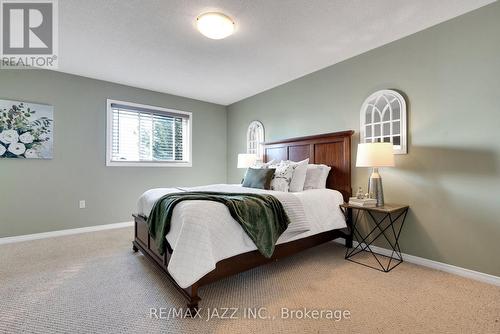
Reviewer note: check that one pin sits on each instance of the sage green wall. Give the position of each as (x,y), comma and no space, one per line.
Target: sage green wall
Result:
(39,196)
(450,178)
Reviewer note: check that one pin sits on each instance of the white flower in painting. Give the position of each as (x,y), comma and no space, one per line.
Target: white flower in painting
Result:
(9,136)
(2,150)
(17,148)
(31,154)
(26,138)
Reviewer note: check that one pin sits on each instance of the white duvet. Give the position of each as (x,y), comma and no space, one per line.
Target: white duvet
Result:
(203,232)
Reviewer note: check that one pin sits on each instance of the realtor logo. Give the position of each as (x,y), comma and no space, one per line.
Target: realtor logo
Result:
(29,33)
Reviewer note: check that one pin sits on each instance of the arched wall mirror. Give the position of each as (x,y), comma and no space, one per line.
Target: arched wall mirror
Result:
(255,139)
(383,119)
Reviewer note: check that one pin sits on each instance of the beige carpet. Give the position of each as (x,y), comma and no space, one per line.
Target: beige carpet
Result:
(93,283)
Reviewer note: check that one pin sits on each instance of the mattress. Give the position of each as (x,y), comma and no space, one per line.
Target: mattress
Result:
(203,232)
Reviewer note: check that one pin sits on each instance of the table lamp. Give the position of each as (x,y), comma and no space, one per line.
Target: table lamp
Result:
(246,160)
(375,155)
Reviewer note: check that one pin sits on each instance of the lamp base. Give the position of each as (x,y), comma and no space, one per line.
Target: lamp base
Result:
(375,187)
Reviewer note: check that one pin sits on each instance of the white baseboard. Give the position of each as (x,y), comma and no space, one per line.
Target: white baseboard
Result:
(27,237)
(467,273)
(475,275)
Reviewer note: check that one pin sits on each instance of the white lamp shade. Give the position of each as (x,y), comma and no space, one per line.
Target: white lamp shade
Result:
(246,160)
(375,155)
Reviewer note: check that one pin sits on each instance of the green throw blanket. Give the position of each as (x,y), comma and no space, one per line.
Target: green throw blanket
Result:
(261,216)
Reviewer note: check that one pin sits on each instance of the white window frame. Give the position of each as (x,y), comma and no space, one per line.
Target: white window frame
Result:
(109,137)
(382,94)
(259,142)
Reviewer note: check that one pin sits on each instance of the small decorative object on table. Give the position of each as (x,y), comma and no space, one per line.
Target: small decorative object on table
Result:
(388,221)
(365,202)
(359,194)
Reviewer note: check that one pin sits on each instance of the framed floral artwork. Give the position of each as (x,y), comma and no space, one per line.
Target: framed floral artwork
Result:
(26,130)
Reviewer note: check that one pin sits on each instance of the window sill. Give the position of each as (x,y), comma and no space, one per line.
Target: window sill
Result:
(148,164)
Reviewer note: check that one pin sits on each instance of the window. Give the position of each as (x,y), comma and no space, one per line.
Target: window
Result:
(141,135)
(255,140)
(383,119)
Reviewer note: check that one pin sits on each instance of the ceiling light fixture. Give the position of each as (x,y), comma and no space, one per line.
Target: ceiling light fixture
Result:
(215,25)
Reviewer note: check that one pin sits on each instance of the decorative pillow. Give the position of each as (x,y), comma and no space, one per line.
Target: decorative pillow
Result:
(316,176)
(324,177)
(267,164)
(299,175)
(282,176)
(258,178)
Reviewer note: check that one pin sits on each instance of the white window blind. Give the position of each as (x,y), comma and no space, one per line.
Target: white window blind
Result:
(140,135)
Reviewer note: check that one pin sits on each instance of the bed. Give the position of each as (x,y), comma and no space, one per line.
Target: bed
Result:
(198,253)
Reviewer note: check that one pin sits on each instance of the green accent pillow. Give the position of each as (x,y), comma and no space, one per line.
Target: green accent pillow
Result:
(259,178)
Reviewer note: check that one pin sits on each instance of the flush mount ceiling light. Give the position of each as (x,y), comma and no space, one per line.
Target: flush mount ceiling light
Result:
(215,25)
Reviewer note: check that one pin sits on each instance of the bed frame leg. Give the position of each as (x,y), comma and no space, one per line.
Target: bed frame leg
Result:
(134,248)
(193,299)
(192,307)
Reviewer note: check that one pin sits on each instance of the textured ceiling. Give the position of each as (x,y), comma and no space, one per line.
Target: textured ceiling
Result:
(153,44)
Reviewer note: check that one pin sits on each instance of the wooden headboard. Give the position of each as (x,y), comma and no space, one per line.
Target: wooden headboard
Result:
(331,149)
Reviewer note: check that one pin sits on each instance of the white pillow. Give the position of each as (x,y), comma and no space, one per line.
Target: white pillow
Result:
(267,164)
(324,177)
(282,176)
(299,175)
(316,176)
